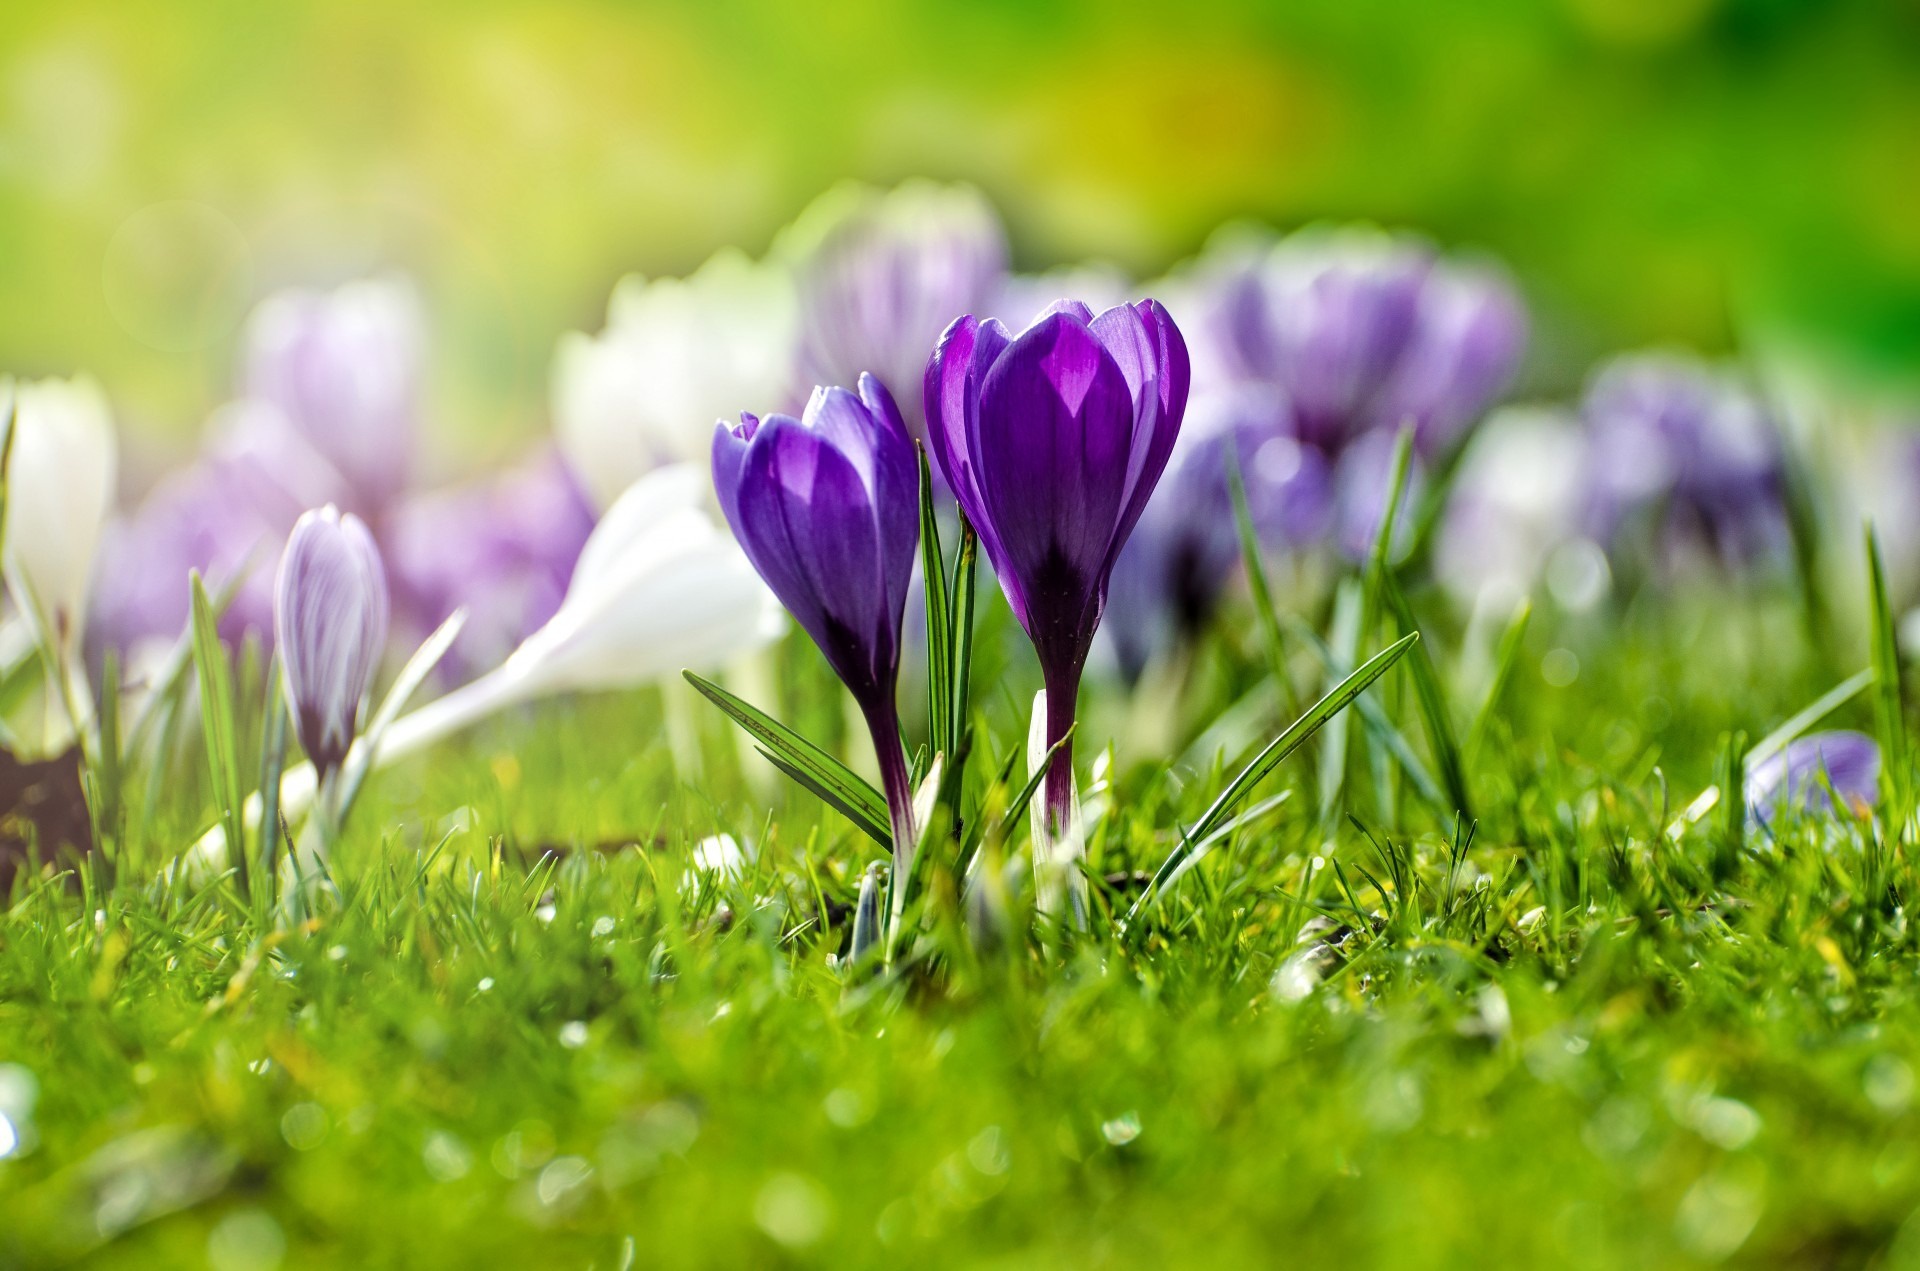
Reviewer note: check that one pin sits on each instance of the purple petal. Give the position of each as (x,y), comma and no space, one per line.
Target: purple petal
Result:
(1054,435)
(1797,777)
(806,521)
(331,610)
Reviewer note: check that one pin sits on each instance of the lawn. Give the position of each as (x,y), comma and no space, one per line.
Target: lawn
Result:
(539,1025)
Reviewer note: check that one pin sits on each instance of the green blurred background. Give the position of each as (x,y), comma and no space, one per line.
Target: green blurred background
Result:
(1717,172)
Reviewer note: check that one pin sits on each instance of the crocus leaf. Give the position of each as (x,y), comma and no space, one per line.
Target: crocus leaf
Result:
(1268,759)
(831,781)
(960,627)
(933,568)
(835,798)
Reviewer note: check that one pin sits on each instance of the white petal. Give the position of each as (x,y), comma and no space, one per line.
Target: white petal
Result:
(61,485)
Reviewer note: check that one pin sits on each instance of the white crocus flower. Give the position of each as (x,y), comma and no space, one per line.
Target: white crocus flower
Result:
(658,587)
(59,491)
(677,354)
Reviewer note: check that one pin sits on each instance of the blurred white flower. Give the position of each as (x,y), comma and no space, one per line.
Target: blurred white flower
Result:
(59,491)
(1515,514)
(677,355)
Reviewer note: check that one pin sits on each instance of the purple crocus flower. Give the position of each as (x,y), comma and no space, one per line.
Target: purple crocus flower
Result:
(1053,441)
(1168,579)
(330,611)
(1798,776)
(502,548)
(345,368)
(827,508)
(1683,451)
(880,275)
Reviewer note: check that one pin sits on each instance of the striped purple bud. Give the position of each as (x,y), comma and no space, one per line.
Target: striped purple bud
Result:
(330,620)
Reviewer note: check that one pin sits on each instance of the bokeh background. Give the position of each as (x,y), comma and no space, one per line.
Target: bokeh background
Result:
(1722,173)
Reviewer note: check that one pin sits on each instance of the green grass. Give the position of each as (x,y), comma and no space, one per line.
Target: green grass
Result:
(1563,1040)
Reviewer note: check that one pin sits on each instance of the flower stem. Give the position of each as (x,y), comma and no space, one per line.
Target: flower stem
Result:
(895,782)
(1063,697)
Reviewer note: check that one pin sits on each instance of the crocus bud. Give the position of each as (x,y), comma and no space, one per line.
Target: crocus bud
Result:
(1052,441)
(60,481)
(676,355)
(880,275)
(827,508)
(1797,777)
(345,368)
(330,615)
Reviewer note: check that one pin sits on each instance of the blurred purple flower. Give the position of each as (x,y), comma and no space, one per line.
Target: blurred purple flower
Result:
(227,514)
(882,272)
(827,508)
(1364,333)
(1682,451)
(1469,335)
(1324,316)
(345,368)
(1168,579)
(502,548)
(1053,441)
(1798,776)
(330,613)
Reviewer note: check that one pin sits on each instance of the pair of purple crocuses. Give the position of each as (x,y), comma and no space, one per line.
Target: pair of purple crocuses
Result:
(1051,441)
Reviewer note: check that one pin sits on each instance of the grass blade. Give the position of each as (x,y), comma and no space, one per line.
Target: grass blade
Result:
(1889,707)
(1328,707)
(1815,711)
(827,778)
(1263,611)
(1343,639)
(366,752)
(1506,660)
(1431,696)
(217,719)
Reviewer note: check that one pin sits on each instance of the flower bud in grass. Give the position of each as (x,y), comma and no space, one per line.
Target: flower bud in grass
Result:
(60,480)
(827,508)
(1798,776)
(1052,441)
(330,618)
